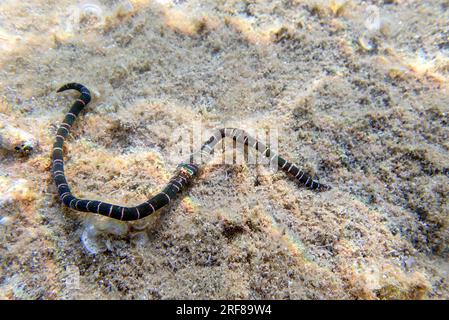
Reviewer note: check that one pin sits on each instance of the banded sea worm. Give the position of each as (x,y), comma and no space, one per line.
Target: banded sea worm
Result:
(185,173)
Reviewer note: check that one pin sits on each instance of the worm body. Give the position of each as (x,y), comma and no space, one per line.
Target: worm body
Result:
(184,174)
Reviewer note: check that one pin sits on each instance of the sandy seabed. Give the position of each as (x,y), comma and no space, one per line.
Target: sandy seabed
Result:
(358,91)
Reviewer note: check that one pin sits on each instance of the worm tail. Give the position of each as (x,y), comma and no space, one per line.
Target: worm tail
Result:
(288,167)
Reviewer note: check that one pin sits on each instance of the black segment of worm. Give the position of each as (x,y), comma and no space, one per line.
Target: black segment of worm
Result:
(434,171)
(185,172)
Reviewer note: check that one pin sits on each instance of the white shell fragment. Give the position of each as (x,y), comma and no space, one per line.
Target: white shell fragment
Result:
(91,240)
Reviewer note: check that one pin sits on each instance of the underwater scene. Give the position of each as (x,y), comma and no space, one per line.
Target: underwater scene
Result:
(184,149)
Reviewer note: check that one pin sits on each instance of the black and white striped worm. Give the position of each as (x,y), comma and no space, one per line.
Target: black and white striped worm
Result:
(183,176)
(434,171)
